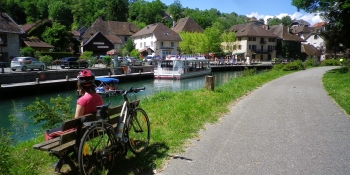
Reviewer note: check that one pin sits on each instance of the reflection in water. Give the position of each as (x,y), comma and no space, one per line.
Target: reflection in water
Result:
(152,87)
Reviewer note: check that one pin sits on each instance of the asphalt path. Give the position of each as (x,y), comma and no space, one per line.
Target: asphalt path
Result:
(288,126)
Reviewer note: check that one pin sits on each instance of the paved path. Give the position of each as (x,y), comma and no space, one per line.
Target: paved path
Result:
(287,126)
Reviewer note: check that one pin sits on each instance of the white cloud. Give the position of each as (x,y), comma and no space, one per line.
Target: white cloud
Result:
(310,18)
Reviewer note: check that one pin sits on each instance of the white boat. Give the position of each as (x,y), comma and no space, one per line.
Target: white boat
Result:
(176,67)
(106,87)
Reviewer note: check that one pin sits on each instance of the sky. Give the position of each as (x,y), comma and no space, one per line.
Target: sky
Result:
(252,8)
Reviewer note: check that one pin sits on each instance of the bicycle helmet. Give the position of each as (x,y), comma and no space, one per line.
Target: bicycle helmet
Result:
(86,78)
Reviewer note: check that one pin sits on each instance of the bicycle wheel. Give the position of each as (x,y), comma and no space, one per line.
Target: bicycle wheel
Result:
(138,131)
(96,151)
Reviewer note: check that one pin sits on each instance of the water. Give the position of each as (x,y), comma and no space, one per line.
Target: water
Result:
(152,87)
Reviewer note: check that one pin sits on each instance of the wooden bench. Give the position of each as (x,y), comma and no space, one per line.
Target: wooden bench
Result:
(66,146)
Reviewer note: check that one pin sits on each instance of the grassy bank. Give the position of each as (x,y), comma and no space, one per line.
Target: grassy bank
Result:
(175,118)
(337,84)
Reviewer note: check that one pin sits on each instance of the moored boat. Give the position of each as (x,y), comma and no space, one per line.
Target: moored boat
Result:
(106,87)
(176,67)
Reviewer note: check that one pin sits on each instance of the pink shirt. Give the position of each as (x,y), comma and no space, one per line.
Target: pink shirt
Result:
(89,102)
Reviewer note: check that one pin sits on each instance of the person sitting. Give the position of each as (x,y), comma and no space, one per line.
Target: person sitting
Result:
(87,102)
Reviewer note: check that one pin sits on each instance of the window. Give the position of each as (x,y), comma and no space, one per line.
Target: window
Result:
(140,45)
(315,37)
(151,44)
(252,39)
(144,44)
(272,40)
(172,44)
(254,48)
(240,47)
(239,39)
(250,47)
(161,44)
(126,38)
(166,33)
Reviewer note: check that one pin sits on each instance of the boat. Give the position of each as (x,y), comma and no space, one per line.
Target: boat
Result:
(106,87)
(180,67)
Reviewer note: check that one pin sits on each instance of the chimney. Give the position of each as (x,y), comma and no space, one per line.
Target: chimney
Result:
(174,23)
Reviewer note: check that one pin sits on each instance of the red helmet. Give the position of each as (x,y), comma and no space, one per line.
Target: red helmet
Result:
(86,78)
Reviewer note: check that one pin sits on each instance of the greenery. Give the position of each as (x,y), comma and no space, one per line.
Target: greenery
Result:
(47,59)
(27,51)
(330,62)
(57,36)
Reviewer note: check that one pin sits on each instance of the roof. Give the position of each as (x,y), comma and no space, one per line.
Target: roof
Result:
(160,31)
(187,24)
(111,28)
(283,32)
(37,43)
(319,24)
(252,29)
(8,25)
(310,50)
(107,80)
(87,40)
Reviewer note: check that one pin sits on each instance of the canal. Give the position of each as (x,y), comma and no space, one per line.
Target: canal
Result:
(13,106)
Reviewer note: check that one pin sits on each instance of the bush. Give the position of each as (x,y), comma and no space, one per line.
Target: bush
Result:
(278,66)
(5,157)
(330,62)
(248,72)
(46,59)
(107,60)
(296,65)
(312,62)
(27,51)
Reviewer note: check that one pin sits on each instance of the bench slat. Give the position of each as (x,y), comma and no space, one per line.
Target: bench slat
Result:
(62,148)
(39,145)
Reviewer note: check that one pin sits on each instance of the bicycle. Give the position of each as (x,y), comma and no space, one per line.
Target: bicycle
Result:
(101,144)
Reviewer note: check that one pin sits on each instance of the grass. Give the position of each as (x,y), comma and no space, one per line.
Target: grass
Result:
(337,84)
(175,118)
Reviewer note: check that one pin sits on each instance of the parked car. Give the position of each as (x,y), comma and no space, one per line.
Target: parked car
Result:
(73,62)
(24,63)
(134,61)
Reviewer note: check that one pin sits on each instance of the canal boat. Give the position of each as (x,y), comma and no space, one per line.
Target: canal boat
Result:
(106,87)
(181,67)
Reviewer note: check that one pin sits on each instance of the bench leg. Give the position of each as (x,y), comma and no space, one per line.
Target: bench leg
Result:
(65,160)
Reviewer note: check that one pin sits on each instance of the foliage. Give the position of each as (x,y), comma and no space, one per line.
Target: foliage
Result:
(5,156)
(228,38)
(248,72)
(286,21)
(51,114)
(279,66)
(134,53)
(107,60)
(330,62)
(336,13)
(312,62)
(57,36)
(127,47)
(60,12)
(47,59)
(175,10)
(27,51)
(295,65)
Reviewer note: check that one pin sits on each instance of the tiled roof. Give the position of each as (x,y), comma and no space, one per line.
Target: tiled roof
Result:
(160,31)
(252,29)
(27,27)
(319,24)
(87,40)
(37,43)
(111,28)
(310,50)
(114,39)
(7,25)
(282,32)
(187,24)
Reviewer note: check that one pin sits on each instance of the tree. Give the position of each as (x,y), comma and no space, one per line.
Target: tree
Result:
(57,36)
(175,10)
(286,20)
(61,12)
(117,10)
(273,21)
(228,41)
(335,12)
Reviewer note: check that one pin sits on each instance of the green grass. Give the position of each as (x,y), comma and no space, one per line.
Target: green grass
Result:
(337,84)
(177,117)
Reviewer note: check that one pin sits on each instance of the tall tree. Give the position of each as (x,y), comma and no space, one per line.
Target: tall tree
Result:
(286,20)
(57,36)
(228,40)
(61,12)
(335,12)
(175,10)
(117,10)
(273,21)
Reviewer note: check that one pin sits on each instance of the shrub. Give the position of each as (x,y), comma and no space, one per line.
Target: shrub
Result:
(312,62)
(330,62)
(296,65)
(248,72)
(5,157)
(278,66)
(107,60)
(46,59)
(27,51)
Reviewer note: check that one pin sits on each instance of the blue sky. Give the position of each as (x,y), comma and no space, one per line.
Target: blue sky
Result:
(258,8)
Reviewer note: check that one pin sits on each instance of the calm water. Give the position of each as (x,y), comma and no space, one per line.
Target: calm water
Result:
(152,87)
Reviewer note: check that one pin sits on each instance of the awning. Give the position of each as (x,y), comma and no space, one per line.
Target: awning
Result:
(238,53)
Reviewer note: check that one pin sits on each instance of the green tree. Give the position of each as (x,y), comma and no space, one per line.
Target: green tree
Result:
(228,40)
(335,12)
(61,12)
(117,10)
(127,47)
(57,36)
(213,36)
(286,20)
(273,21)
(15,10)
(175,10)
(27,51)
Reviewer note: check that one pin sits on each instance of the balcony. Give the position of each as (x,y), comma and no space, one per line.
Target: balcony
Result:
(262,42)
